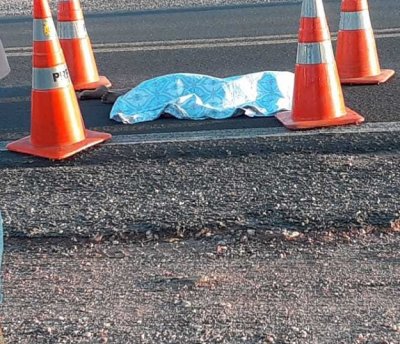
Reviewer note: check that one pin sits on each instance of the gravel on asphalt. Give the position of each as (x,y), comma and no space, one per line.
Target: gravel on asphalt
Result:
(235,241)
(233,289)
(304,183)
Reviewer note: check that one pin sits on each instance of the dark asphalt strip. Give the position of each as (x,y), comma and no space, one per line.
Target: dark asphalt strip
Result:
(226,21)
(311,183)
(376,103)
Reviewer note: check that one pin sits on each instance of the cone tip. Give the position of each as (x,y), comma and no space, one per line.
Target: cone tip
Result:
(41,9)
(312,9)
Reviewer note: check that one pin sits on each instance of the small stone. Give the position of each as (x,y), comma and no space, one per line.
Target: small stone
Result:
(186,304)
(361,338)
(303,334)
(251,232)
(292,235)
(270,339)
(226,305)
(396,328)
(244,239)
(221,250)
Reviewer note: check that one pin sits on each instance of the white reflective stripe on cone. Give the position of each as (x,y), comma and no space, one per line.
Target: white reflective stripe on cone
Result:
(50,78)
(72,29)
(4,66)
(312,9)
(355,20)
(315,53)
(44,30)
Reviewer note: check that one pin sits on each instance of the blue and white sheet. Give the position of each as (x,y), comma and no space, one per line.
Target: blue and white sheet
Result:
(198,97)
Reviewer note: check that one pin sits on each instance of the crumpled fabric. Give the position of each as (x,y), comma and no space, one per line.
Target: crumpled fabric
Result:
(198,97)
(4,66)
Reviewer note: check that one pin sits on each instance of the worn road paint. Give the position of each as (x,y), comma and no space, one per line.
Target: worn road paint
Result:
(197,43)
(241,134)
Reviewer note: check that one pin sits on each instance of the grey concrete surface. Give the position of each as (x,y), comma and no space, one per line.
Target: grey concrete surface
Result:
(24,7)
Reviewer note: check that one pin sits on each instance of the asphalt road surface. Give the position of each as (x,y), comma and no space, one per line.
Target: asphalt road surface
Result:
(231,231)
(21,7)
(198,41)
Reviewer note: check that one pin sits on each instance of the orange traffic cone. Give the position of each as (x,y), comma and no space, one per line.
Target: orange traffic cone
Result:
(77,47)
(317,96)
(57,129)
(356,53)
